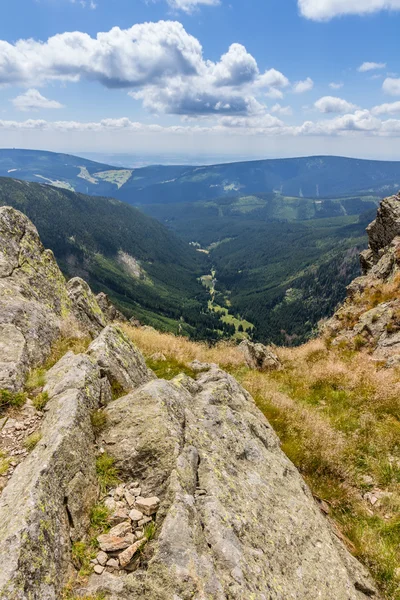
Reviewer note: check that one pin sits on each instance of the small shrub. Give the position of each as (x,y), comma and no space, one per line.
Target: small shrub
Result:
(99,421)
(107,473)
(15,399)
(40,401)
(32,441)
(116,390)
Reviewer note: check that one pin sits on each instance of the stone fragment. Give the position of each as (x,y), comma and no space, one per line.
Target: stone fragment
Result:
(113,563)
(110,504)
(136,491)
(109,543)
(136,515)
(128,554)
(121,529)
(130,499)
(144,521)
(148,506)
(260,357)
(98,569)
(102,558)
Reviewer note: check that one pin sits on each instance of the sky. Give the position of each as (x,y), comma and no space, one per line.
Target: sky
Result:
(220,78)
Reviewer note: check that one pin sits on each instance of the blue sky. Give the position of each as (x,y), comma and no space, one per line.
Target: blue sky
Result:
(202,77)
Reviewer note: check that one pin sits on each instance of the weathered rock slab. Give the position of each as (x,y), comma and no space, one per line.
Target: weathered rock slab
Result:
(119,360)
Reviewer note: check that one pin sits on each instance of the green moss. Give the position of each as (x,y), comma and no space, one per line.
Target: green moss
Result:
(99,421)
(32,441)
(4,463)
(168,369)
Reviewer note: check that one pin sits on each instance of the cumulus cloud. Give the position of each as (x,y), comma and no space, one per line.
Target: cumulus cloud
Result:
(33,100)
(300,87)
(235,68)
(132,57)
(391,86)
(331,104)
(391,108)
(160,62)
(336,86)
(282,110)
(189,6)
(371,66)
(324,10)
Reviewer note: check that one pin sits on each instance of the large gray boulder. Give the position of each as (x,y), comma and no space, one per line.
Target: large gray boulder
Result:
(119,360)
(386,225)
(33,298)
(236,519)
(47,502)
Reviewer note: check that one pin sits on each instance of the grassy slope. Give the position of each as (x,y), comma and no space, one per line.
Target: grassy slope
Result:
(336,412)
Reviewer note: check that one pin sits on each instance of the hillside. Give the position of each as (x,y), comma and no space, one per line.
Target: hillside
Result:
(119,485)
(312,177)
(149,272)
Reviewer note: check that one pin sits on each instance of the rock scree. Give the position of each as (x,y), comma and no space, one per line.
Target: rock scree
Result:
(207,506)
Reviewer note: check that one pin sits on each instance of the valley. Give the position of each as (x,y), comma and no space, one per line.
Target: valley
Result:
(283,261)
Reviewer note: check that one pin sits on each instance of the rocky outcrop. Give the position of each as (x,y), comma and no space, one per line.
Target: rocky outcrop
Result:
(85,306)
(119,360)
(33,298)
(370,317)
(109,310)
(236,519)
(258,356)
(47,501)
(36,301)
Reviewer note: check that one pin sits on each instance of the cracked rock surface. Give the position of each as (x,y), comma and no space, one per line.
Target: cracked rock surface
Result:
(236,520)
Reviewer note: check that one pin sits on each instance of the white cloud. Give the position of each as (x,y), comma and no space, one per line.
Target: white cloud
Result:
(160,62)
(132,57)
(190,5)
(324,10)
(33,100)
(391,86)
(303,86)
(371,66)
(361,123)
(331,104)
(336,86)
(235,68)
(282,110)
(386,109)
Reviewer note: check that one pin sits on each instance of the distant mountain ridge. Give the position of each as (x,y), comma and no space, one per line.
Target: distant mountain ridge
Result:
(313,177)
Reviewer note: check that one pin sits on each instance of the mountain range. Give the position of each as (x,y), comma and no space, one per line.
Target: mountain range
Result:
(314,177)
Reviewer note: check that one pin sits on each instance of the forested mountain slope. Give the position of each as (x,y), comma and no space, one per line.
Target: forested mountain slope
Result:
(148,271)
